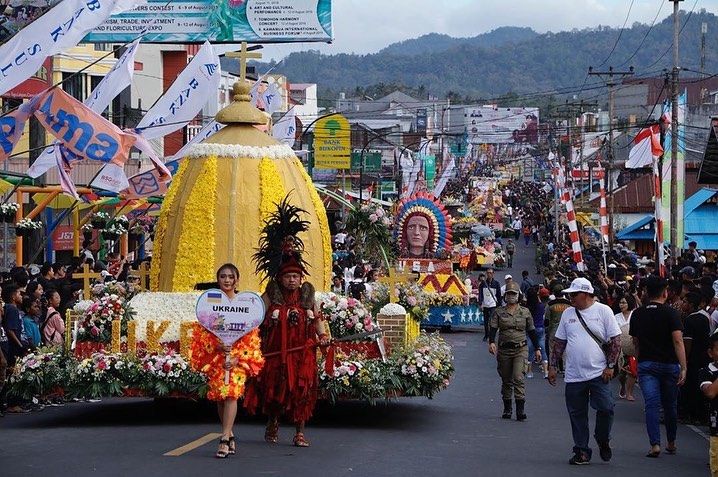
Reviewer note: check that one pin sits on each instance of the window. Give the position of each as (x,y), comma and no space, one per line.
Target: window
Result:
(73,84)
(103,46)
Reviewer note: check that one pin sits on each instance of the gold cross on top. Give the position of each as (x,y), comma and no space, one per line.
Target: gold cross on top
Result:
(392,280)
(244,55)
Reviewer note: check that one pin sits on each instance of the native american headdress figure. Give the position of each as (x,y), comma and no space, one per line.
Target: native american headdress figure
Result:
(280,248)
(423,226)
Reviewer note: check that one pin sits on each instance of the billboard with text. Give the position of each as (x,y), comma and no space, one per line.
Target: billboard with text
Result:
(220,21)
(495,125)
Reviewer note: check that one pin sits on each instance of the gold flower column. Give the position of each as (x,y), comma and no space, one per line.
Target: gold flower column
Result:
(215,207)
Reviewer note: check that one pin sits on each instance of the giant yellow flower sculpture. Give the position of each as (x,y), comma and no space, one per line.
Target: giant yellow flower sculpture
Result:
(214,209)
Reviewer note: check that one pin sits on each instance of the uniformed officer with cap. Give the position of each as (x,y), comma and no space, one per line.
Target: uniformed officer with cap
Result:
(513,322)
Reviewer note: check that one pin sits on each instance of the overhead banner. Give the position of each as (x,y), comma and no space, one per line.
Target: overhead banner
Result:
(220,21)
(62,27)
(332,143)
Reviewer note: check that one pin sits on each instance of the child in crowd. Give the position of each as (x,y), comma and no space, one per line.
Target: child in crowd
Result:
(708,379)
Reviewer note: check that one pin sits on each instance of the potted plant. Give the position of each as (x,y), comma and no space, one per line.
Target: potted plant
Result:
(100,219)
(25,227)
(8,211)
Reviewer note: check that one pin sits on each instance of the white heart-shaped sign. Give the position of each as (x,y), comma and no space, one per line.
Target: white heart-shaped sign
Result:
(229,319)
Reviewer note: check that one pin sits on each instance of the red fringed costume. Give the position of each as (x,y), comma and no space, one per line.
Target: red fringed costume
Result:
(288,382)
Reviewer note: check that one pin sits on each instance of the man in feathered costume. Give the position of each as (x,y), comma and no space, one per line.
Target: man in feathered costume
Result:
(292,328)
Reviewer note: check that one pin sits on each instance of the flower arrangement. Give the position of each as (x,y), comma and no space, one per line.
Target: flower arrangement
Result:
(443,299)
(38,374)
(100,375)
(426,366)
(99,219)
(8,211)
(372,228)
(160,374)
(96,324)
(346,316)
(355,377)
(123,290)
(160,306)
(26,226)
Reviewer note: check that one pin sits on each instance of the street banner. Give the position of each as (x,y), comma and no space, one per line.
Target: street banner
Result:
(194,86)
(332,145)
(116,80)
(285,130)
(149,183)
(62,27)
(221,21)
(646,148)
(445,176)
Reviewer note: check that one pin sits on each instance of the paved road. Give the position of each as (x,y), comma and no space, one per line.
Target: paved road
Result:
(459,433)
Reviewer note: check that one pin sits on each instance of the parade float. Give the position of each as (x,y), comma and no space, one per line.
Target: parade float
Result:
(429,288)
(138,344)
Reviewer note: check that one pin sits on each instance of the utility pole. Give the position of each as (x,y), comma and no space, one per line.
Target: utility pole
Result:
(608,76)
(569,111)
(676,210)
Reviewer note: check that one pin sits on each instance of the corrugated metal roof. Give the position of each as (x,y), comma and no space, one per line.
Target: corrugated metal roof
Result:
(709,167)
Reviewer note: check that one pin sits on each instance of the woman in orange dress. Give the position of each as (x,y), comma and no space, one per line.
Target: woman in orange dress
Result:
(208,355)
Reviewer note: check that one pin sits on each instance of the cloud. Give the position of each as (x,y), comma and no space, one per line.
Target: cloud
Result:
(367,26)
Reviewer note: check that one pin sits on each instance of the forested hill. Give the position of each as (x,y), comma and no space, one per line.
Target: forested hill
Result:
(508,59)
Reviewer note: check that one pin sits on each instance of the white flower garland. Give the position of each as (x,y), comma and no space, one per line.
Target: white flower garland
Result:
(235,151)
(164,306)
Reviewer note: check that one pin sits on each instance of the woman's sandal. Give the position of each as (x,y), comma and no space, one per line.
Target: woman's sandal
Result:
(232,446)
(222,454)
(671,450)
(653,454)
(300,441)
(271,434)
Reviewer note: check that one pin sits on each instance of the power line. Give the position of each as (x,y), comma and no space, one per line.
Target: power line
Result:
(660,7)
(630,7)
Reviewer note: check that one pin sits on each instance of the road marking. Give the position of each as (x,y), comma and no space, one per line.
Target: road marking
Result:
(699,432)
(193,445)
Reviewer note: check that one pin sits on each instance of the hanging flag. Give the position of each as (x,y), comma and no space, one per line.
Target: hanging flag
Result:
(62,27)
(285,130)
(445,176)
(646,147)
(272,99)
(114,82)
(194,86)
(149,183)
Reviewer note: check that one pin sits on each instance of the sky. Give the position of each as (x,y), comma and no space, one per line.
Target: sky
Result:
(367,26)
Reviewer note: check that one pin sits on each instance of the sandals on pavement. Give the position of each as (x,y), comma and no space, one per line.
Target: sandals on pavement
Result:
(671,450)
(300,441)
(653,454)
(221,452)
(232,446)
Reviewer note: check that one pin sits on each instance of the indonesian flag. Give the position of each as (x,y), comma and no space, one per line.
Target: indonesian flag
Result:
(646,148)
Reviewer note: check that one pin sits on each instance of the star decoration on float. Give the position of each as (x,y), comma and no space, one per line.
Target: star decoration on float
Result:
(448,316)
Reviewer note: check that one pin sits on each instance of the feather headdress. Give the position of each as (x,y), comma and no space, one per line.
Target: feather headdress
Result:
(280,248)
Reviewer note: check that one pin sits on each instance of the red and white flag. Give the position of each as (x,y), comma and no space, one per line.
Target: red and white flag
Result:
(646,148)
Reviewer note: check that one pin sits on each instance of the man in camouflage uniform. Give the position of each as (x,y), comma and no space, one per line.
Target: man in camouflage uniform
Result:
(513,322)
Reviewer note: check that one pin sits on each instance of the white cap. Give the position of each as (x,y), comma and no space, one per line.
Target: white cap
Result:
(579,285)
(508,277)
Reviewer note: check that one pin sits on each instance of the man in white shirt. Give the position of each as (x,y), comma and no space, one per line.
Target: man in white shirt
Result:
(590,362)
